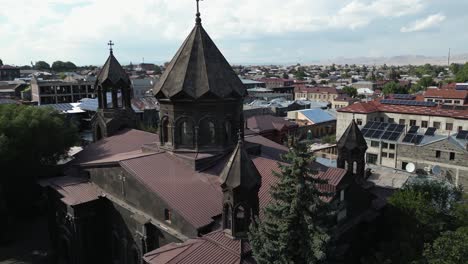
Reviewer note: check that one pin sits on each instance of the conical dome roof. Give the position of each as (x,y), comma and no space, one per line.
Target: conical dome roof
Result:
(199,69)
(112,73)
(240,170)
(352,138)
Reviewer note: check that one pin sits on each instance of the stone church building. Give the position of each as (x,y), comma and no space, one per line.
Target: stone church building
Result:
(189,193)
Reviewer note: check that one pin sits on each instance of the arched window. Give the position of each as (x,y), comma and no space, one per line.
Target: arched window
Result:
(207,133)
(227,132)
(346,165)
(165,130)
(185,133)
(227,217)
(355,167)
(240,219)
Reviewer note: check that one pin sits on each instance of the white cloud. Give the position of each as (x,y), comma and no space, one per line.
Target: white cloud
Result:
(71,29)
(424,24)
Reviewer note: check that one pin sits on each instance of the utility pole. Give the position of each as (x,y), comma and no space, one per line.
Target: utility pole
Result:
(449,57)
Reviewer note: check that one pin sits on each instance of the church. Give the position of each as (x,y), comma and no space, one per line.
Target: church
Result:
(188,193)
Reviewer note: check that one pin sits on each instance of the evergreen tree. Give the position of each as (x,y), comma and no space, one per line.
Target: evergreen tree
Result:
(295,224)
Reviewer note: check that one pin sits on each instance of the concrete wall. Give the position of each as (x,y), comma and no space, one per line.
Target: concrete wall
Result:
(424,156)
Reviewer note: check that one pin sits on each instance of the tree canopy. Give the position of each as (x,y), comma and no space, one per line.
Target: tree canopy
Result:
(32,141)
(462,74)
(41,66)
(1,62)
(350,91)
(393,88)
(294,227)
(60,66)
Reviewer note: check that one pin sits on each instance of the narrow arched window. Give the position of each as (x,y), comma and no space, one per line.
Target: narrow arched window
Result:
(355,167)
(165,130)
(227,132)
(227,217)
(185,133)
(207,133)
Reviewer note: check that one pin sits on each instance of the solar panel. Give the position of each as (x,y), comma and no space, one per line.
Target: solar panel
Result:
(376,125)
(368,125)
(386,135)
(413,129)
(407,102)
(462,134)
(377,134)
(408,138)
(400,128)
(392,127)
(364,131)
(369,133)
(383,126)
(394,136)
(417,139)
(430,131)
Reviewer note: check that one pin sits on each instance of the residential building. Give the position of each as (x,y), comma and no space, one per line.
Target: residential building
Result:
(141,87)
(446,96)
(59,91)
(321,94)
(276,82)
(448,119)
(250,84)
(274,128)
(9,73)
(316,123)
(343,101)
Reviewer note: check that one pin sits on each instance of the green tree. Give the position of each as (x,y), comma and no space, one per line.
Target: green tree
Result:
(285,76)
(393,88)
(455,68)
(1,62)
(450,248)
(350,91)
(60,66)
(295,224)
(462,75)
(157,69)
(41,66)
(426,82)
(32,141)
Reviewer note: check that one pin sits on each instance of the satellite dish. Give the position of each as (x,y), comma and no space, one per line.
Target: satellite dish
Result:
(410,167)
(436,170)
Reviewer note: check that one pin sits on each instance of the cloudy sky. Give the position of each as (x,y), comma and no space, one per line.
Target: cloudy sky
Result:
(246,31)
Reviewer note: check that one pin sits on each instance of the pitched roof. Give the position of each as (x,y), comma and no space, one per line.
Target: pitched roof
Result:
(198,69)
(240,171)
(352,138)
(213,248)
(321,90)
(317,116)
(262,123)
(446,94)
(376,106)
(123,142)
(112,73)
(74,190)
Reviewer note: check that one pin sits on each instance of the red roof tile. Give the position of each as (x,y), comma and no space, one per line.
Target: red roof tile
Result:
(446,94)
(214,248)
(74,190)
(376,106)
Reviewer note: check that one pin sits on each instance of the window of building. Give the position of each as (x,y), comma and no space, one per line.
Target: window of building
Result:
(449,126)
(371,158)
(430,100)
(384,145)
(382,119)
(342,195)
(460,128)
(424,124)
(185,133)
(456,102)
(448,101)
(207,133)
(391,155)
(392,146)
(355,167)
(436,125)
(401,121)
(391,120)
(375,144)
(359,122)
(384,154)
(437,153)
(167,215)
(412,122)
(452,155)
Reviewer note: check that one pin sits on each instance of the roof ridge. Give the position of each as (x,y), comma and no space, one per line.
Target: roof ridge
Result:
(221,245)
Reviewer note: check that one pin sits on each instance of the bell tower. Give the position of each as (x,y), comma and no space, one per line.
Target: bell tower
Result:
(200,96)
(352,151)
(240,181)
(114,94)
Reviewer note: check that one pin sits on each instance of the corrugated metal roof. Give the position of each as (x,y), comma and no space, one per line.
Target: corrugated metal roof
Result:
(318,116)
(74,190)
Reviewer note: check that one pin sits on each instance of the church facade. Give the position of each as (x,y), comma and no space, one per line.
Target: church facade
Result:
(135,197)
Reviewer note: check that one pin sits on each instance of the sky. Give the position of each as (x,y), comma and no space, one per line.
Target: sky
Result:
(246,31)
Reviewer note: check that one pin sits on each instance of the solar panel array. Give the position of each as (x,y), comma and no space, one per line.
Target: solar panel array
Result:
(384,131)
(404,96)
(407,102)
(462,134)
(413,130)
(60,107)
